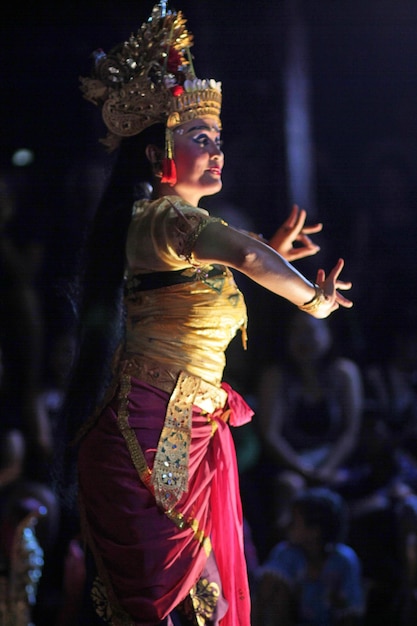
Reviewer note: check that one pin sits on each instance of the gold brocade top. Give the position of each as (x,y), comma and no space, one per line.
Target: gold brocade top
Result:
(179,314)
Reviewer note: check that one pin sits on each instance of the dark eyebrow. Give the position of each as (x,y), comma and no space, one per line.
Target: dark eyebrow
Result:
(202,127)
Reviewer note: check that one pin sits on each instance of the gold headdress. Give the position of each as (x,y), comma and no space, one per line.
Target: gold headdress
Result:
(149,79)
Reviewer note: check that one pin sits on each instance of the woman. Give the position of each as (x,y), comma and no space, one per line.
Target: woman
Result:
(157,471)
(310,409)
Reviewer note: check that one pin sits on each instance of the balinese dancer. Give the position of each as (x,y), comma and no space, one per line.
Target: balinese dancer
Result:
(158,482)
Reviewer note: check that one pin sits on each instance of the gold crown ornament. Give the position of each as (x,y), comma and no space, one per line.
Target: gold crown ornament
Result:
(150,79)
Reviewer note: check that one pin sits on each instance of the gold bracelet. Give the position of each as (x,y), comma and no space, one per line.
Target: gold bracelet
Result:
(313,304)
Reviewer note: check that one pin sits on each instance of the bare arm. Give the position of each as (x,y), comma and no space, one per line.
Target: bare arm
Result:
(219,243)
(351,397)
(271,414)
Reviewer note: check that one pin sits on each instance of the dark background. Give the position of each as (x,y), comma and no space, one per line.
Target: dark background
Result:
(361,67)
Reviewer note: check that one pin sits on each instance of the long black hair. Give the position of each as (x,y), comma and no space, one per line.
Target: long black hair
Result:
(100,282)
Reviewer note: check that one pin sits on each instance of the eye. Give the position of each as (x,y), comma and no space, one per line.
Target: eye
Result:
(202,140)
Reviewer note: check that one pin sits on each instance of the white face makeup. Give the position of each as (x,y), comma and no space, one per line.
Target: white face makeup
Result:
(198,158)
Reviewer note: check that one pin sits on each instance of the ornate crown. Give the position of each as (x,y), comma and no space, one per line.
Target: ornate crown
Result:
(150,78)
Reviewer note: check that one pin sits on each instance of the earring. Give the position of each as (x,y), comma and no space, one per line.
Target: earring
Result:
(169,171)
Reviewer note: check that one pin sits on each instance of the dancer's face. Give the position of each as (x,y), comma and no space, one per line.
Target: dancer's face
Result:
(198,158)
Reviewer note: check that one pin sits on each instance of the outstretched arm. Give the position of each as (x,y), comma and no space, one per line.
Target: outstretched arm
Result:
(218,243)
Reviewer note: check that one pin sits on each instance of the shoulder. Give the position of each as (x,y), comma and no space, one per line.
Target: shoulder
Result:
(285,554)
(344,365)
(346,370)
(286,562)
(162,233)
(345,555)
(172,205)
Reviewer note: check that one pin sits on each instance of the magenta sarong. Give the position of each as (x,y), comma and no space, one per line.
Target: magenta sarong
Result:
(150,564)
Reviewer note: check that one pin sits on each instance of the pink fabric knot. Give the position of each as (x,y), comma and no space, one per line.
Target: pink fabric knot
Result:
(241,413)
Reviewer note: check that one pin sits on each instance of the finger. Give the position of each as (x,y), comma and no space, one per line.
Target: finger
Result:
(342,301)
(300,220)
(306,241)
(305,246)
(292,218)
(301,253)
(314,228)
(335,272)
(343,284)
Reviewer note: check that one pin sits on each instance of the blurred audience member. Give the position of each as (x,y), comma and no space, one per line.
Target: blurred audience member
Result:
(312,577)
(21,340)
(391,380)
(309,412)
(383,473)
(63,572)
(29,512)
(407,541)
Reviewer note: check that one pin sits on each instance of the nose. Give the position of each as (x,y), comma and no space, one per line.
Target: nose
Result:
(215,150)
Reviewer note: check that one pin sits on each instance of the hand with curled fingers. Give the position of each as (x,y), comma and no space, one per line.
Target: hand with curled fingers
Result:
(328,298)
(292,231)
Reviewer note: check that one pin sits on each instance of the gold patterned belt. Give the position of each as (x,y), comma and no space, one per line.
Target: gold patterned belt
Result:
(208,397)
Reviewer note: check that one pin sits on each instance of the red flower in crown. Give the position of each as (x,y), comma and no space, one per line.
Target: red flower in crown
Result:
(175,60)
(177,90)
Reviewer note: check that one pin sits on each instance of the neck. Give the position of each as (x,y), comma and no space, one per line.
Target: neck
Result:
(165,189)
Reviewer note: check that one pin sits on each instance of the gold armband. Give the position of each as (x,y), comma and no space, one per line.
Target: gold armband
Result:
(313,304)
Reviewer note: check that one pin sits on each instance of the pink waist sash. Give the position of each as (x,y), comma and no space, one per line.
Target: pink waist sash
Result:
(148,563)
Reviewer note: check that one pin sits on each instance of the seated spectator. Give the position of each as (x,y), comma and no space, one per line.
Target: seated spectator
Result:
(391,383)
(309,412)
(406,511)
(312,578)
